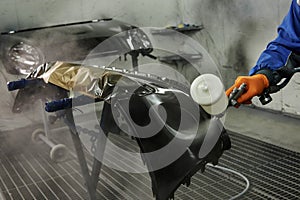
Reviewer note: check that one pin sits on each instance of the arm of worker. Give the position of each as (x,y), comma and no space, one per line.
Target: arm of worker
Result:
(273,57)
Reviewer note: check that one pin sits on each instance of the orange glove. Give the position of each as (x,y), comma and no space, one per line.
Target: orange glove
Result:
(255,86)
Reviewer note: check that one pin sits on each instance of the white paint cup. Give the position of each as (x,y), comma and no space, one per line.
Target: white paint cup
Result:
(208,91)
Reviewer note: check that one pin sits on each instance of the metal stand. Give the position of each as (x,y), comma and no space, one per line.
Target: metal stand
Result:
(58,152)
(134,59)
(91,178)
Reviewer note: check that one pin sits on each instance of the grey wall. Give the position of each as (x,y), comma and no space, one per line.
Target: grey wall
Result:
(17,14)
(235,33)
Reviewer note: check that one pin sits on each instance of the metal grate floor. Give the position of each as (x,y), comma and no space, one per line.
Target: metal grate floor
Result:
(26,172)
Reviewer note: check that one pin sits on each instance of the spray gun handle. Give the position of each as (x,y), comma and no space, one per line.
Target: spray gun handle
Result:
(282,81)
(265,98)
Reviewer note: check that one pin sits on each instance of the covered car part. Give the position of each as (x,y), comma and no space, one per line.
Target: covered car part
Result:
(23,50)
(182,137)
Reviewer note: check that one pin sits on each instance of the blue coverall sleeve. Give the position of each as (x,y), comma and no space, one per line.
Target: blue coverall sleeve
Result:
(287,41)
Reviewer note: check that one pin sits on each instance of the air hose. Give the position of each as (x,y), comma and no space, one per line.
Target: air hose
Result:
(236,173)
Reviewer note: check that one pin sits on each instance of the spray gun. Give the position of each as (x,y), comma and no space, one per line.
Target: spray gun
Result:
(282,76)
(208,91)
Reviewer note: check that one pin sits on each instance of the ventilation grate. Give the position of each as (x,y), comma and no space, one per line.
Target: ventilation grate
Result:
(26,172)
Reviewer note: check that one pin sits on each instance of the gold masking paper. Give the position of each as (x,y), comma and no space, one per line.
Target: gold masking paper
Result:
(83,79)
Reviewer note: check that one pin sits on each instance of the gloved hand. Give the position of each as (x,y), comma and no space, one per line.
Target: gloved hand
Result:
(255,86)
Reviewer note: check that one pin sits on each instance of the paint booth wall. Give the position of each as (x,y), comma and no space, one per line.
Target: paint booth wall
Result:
(235,32)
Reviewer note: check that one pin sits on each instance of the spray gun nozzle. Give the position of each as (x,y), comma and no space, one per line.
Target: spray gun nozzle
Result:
(235,94)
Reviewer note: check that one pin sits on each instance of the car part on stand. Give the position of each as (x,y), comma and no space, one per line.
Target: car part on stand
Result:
(149,91)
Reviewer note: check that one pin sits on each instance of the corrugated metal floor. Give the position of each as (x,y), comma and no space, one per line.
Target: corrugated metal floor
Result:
(26,172)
